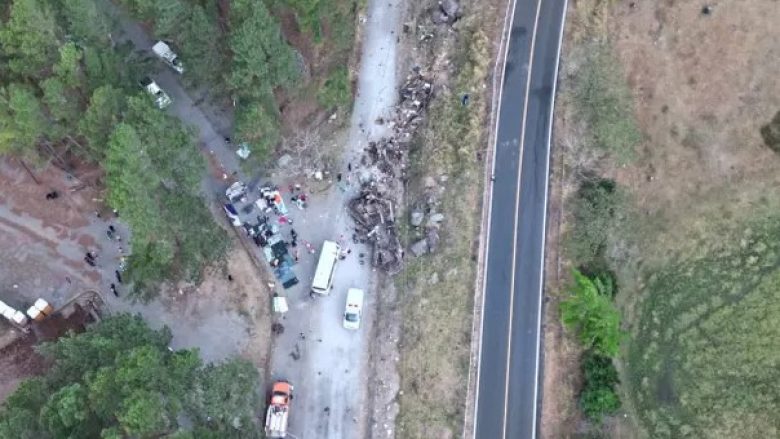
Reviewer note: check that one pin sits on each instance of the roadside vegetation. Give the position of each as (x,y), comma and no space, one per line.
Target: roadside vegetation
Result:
(438,289)
(119,379)
(67,92)
(589,312)
(598,213)
(691,247)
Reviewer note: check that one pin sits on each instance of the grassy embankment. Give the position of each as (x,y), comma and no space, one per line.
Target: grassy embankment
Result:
(437,290)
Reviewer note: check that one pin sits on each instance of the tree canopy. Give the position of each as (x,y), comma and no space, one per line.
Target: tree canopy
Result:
(119,379)
(261,58)
(30,38)
(67,84)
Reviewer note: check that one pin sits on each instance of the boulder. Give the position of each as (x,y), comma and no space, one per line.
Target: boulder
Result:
(438,17)
(432,239)
(450,8)
(436,218)
(419,248)
(417,218)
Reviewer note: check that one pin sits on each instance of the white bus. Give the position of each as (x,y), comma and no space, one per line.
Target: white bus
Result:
(323,277)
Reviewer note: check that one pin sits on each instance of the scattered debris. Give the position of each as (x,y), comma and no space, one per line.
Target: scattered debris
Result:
(374,219)
(374,209)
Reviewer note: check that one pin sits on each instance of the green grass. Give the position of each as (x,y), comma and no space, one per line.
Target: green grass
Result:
(703,360)
(438,315)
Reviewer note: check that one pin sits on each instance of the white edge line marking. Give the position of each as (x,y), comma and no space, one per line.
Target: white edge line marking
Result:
(544,215)
(510,15)
(517,215)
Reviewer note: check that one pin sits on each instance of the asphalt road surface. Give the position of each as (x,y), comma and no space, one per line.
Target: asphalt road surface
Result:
(508,374)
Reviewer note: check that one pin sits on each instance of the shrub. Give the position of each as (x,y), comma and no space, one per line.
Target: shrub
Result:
(594,208)
(589,312)
(598,397)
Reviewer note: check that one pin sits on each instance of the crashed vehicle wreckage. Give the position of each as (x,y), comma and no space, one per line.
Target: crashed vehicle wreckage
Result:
(374,209)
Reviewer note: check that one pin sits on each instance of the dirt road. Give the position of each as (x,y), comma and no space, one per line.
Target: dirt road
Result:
(330,372)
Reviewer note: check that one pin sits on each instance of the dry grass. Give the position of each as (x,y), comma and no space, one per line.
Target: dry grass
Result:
(438,290)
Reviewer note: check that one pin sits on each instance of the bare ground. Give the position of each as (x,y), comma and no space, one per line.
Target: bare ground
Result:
(18,358)
(46,241)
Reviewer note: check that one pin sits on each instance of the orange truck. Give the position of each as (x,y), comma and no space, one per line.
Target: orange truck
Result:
(278,410)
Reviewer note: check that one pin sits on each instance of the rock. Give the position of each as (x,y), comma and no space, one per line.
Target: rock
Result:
(284,160)
(438,17)
(448,11)
(436,218)
(451,8)
(429,182)
(432,239)
(443,178)
(434,278)
(417,218)
(419,248)
(365,177)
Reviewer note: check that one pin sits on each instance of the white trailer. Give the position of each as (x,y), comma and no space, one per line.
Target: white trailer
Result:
(161,99)
(165,53)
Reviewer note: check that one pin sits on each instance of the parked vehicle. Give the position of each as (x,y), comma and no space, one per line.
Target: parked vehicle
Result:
(278,410)
(353,311)
(161,99)
(232,214)
(162,50)
(326,267)
(236,191)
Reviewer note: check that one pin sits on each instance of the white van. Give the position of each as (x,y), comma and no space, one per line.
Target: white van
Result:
(323,277)
(353,311)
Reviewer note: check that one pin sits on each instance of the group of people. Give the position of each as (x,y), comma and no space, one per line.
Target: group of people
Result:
(90,258)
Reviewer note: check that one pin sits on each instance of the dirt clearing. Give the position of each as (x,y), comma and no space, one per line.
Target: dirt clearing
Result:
(46,242)
(698,215)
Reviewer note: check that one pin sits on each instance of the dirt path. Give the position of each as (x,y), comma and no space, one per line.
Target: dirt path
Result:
(329,367)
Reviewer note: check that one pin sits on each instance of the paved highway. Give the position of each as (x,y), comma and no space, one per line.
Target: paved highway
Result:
(507,393)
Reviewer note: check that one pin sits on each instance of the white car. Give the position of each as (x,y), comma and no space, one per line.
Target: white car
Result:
(161,99)
(354,309)
(164,51)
